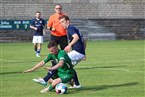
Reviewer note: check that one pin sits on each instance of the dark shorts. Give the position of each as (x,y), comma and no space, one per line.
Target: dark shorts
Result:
(62,41)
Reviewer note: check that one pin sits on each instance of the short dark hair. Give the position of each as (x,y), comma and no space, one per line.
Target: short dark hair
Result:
(52,44)
(37,12)
(64,17)
(58,4)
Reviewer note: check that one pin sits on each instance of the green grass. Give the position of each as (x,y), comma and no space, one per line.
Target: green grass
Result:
(112,69)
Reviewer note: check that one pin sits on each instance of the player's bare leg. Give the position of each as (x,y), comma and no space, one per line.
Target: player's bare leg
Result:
(52,86)
(38,49)
(35,48)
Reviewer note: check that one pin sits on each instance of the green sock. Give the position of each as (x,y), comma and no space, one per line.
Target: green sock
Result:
(51,87)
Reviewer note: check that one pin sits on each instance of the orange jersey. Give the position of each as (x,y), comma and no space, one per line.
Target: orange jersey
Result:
(54,22)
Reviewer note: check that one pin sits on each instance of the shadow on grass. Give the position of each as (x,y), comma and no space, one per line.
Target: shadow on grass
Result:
(102,87)
(20,61)
(11,73)
(5,73)
(82,68)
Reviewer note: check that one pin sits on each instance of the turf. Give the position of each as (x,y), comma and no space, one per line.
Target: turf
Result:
(112,69)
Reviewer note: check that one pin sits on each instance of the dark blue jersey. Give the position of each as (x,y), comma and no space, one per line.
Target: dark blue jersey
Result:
(79,45)
(40,25)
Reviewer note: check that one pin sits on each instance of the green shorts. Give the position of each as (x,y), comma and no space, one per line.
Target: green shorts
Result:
(66,77)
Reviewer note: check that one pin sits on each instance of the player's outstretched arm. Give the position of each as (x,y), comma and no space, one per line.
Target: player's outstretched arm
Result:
(61,62)
(40,64)
(34,28)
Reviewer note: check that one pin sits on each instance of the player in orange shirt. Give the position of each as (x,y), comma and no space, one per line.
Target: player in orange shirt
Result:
(58,33)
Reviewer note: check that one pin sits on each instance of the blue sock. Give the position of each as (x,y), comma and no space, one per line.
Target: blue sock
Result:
(53,62)
(76,81)
(38,51)
(49,75)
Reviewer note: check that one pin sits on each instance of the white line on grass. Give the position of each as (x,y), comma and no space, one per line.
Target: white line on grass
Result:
(120,61)
(115,69)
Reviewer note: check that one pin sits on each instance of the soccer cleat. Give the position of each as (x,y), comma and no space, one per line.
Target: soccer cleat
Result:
(45,90)
(37,55)
(41,81)
(71,83)
(75,87)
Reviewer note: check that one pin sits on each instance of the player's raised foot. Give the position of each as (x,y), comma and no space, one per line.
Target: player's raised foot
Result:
(45,90)
(40,80)
(75,86)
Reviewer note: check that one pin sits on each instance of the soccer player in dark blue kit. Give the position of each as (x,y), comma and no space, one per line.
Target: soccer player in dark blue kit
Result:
(38,25)
(76,47)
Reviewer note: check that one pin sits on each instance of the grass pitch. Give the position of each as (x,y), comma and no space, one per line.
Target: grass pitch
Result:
(112,69)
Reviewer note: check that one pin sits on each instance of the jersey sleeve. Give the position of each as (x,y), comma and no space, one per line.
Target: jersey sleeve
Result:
(49,57)
(71,31)
(62,56)
(50,21)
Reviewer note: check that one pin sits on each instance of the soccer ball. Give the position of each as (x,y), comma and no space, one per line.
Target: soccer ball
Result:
(61,88)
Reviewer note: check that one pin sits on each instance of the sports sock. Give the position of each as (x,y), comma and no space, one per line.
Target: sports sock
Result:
(51,87)
(49,75)
(38,51)
(76,81)
(53,62)
(35,49)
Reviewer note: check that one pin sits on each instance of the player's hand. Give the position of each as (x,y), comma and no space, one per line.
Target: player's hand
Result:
(44,31)
(29,70)
(53,29)
(84,58)
(67,49)
(35,28)
(48,68)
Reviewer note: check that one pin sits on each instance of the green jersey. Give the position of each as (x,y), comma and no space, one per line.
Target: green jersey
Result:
(67,66)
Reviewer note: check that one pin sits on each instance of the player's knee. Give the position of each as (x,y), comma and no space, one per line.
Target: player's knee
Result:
(56,81)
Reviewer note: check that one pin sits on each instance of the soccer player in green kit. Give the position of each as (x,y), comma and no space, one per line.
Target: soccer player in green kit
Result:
(64,67)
